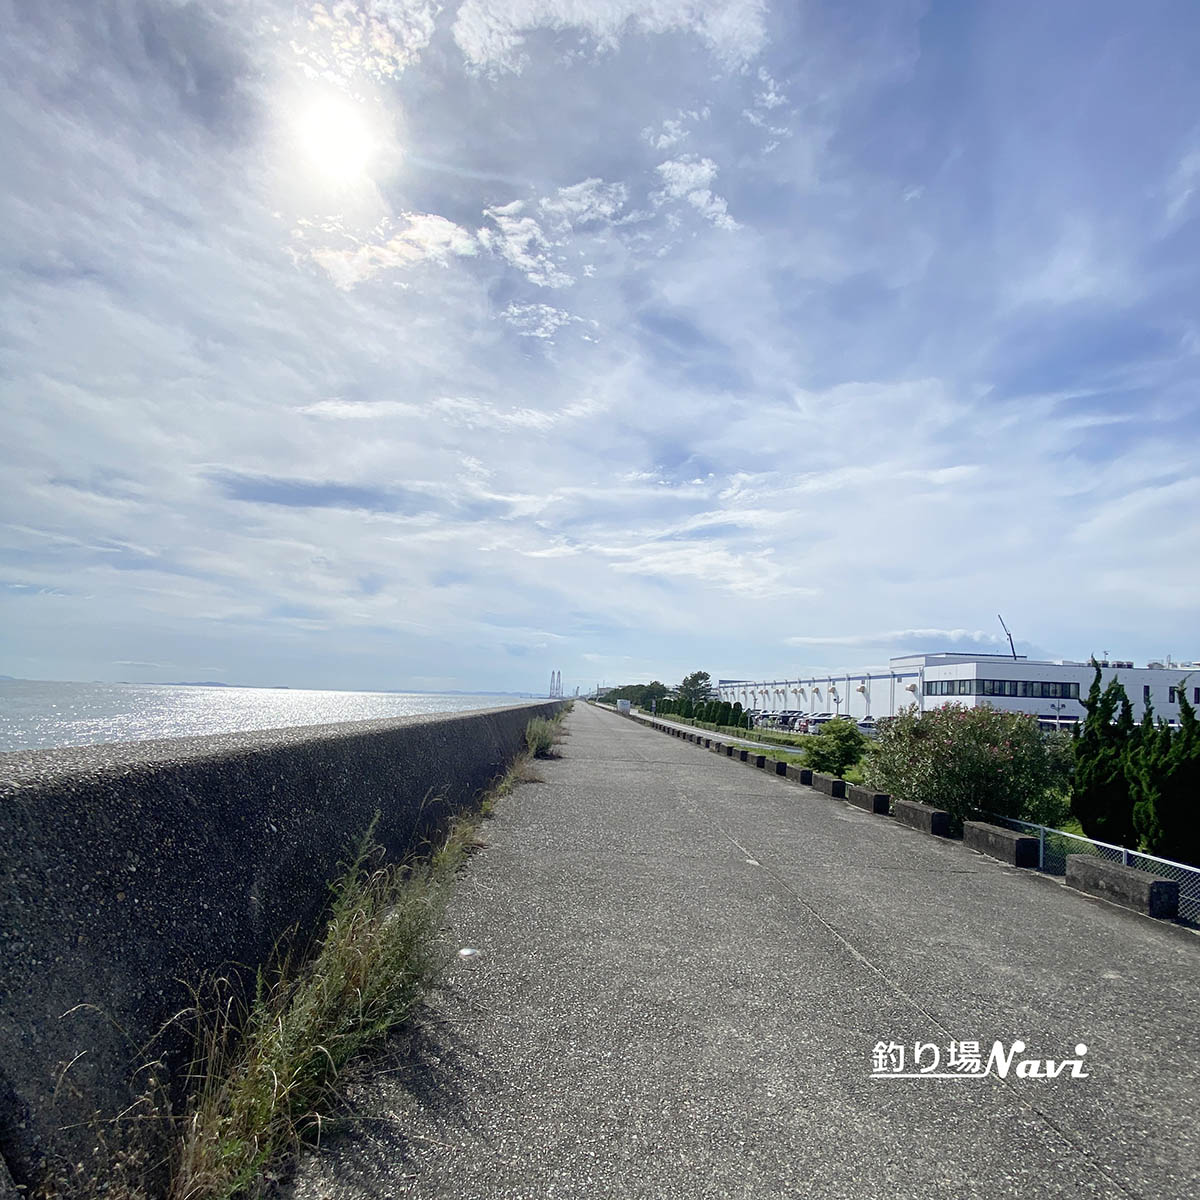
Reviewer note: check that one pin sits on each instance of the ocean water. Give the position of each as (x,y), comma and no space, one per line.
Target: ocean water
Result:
(35,714)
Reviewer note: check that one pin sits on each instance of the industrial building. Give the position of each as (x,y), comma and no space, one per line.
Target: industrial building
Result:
(1052,691)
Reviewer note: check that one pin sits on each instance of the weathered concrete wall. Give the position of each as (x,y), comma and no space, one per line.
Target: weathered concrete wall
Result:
(129,868)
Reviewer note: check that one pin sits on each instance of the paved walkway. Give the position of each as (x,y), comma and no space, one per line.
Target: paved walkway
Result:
(685,965)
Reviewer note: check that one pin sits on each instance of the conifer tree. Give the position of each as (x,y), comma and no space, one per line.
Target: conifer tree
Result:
(1164,778)
(1100,796)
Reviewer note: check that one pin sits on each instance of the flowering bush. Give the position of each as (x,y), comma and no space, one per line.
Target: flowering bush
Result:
(969,761)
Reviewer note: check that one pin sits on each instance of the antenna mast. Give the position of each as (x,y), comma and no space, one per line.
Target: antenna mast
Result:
(1005,628)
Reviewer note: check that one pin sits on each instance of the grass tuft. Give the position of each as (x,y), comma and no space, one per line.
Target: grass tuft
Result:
(541,736)
(266,1075)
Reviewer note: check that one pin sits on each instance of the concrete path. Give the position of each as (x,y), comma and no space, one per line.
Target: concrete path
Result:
(685,966)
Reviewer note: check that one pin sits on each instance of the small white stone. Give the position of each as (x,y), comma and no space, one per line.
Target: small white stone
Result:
(468,954)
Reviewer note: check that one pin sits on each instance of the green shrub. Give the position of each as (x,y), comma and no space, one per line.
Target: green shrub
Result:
(735,715)
(724,713)
(969,761)
(837,748)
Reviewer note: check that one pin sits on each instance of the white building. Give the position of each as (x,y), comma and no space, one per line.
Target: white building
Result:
(1051,691)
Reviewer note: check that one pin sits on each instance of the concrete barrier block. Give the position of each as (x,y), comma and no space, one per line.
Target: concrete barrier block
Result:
(1127,886)
(829,785)
(729,751)
(874,802)
(743,754)
(1016,849)
(798,774)
(718,747)
(758,760)
(922,817)
(780,767)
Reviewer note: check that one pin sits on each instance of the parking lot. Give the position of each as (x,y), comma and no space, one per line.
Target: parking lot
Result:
(794,721)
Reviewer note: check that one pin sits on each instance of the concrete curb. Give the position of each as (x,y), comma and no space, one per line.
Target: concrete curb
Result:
(1151,895)
(1016,849)
(873,802)
(920,816)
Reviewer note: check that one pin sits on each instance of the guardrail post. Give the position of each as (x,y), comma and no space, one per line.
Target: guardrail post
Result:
(1041,847)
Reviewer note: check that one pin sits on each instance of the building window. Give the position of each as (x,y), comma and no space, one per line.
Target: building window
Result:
(1171,699)
(1145,693)
(1023,688)
(1196,695)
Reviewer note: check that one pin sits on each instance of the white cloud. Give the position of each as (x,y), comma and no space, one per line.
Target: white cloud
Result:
(374,38)
(590,202)
(360,410)
(682,176)
(770,96)
(426,237)
(537,320)
(688,178)
(491,33)
(669,134)
(918,639)
(1182,185)
(521,242)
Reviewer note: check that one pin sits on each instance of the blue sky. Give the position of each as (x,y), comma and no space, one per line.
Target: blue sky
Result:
(399,344)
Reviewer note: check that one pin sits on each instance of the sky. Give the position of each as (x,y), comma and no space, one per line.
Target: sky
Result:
(396,344)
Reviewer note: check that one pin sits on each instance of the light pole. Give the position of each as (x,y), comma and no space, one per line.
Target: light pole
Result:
(1058,708)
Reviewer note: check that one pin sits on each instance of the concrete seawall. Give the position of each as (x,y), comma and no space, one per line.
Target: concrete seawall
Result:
(130,870)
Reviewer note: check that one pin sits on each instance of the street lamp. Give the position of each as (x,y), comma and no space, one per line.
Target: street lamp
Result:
(1058,708)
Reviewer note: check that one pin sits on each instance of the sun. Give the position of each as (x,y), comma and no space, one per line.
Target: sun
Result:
(336,138)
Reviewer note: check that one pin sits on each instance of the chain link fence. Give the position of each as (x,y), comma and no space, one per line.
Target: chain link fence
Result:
(1055,844)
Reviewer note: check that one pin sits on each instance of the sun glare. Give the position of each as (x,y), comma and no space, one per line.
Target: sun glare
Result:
(336,138)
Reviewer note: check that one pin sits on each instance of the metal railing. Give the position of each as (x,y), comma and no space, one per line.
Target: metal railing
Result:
(1055,844)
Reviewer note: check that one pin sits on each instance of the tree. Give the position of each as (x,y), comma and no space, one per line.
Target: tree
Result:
(695,687)
(1163,769)
(686,708)
(837,748)
(639,694)
(724,713)
(1100,796)
(747,721)
(735,715)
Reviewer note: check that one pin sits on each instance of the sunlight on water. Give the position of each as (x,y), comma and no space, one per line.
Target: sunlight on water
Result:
(36,714)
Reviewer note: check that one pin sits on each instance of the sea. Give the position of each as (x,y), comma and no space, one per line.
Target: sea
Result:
(37,715)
